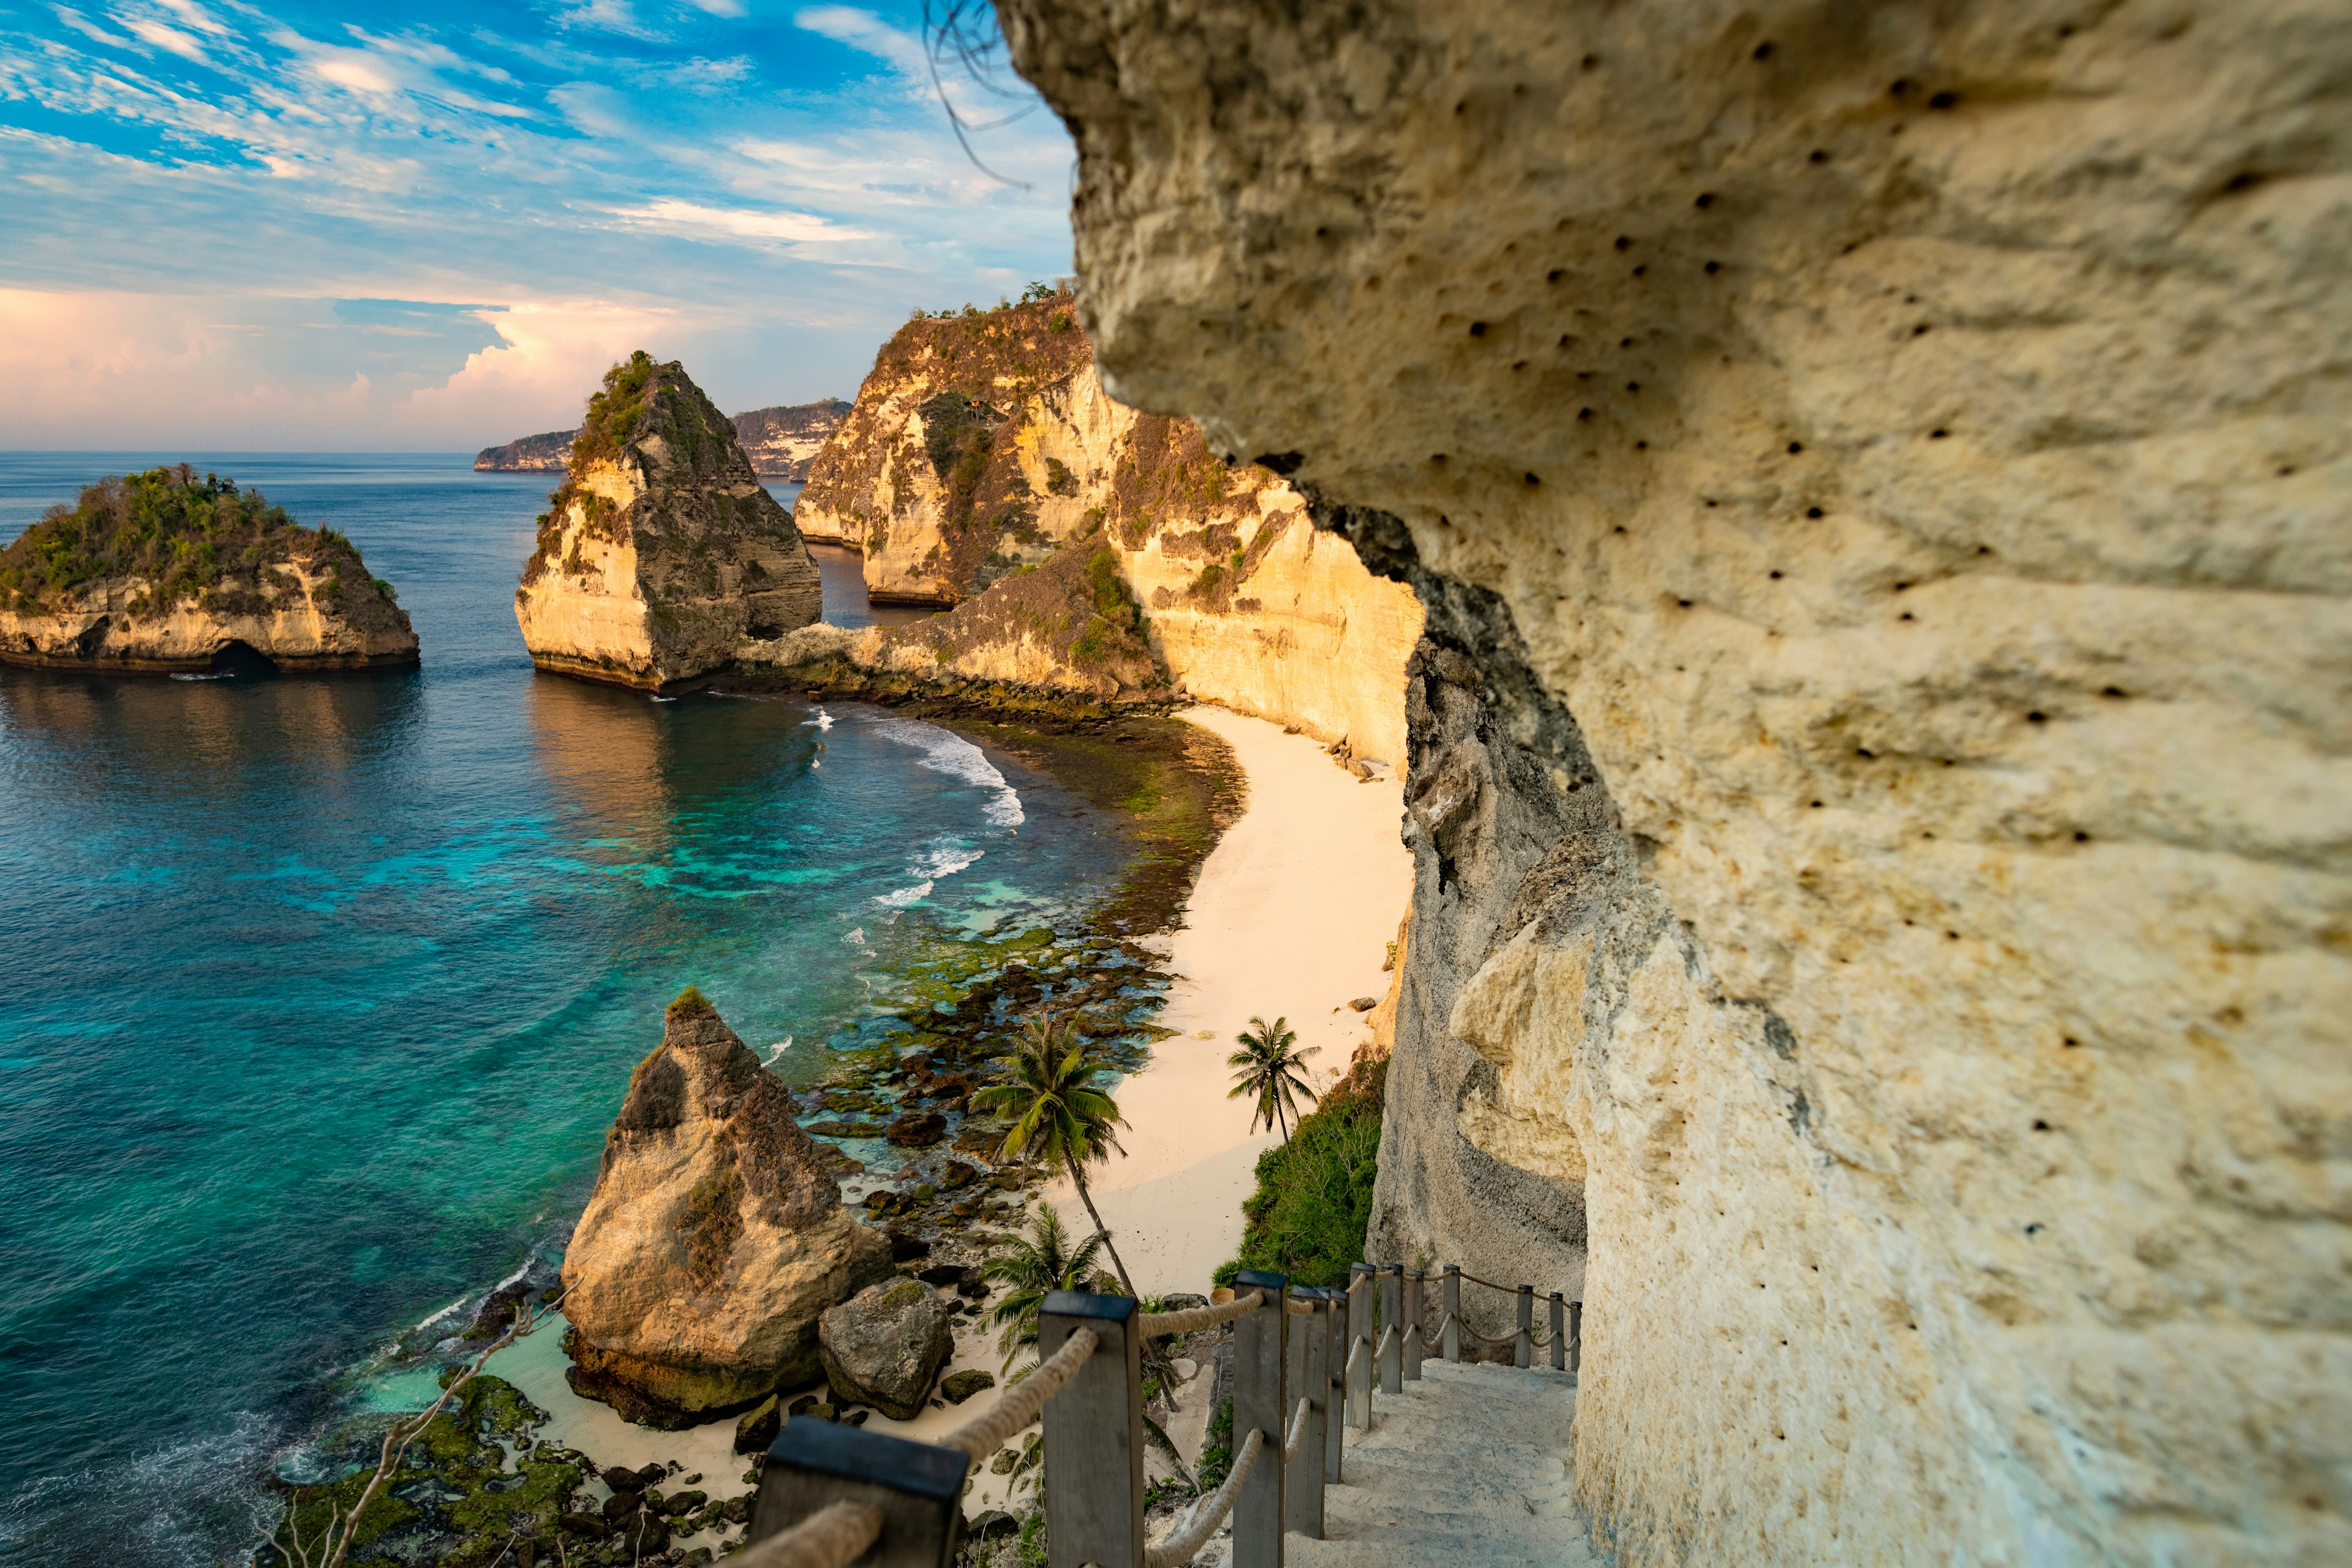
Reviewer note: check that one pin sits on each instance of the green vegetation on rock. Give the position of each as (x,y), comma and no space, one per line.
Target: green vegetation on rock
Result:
(188,538)
(1314,1196)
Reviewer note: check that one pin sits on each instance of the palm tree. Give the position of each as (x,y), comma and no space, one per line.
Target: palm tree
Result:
(1270,1067)
(1058,1116)
(1042,1261)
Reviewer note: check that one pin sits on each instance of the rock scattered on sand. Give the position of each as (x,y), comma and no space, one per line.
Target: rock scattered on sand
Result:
(960,1386)
(884,1346)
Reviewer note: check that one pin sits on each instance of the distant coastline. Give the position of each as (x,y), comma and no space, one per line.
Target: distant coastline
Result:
(781,440)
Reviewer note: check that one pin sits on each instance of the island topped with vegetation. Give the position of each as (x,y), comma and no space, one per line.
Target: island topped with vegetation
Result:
(168,569)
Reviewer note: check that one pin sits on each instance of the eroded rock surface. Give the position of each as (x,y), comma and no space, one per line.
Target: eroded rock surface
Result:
(165,571)
(714,1239)
(661,550)
(1905,452)
(885,1345)
(983,446)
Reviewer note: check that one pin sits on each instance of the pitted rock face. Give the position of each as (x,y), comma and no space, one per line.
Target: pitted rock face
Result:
(1907,447)
(661,550)
(714,1239)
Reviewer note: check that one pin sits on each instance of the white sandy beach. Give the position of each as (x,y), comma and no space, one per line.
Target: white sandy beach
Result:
(1291,917)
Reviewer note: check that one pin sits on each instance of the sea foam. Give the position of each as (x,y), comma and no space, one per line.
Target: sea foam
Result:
(945,752)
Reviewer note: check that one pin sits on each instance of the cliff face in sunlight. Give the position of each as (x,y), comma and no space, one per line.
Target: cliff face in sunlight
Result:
(983,447)
(661,549)
(1876,482)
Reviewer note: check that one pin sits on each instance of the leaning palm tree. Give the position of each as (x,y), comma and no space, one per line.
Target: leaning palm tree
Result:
(1270,1067)
(1042,1261)
(1058,1116)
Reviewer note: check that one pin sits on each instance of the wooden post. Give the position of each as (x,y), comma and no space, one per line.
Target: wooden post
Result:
(1559,1333)
(1523,1353)
(1359,1332)
(1453,1311)
(1411,1324)
(919,1488)
(1309,1379)
(1335,1377)
(1094,1436)
(1261,1344)
(1575,1338)
(1391,1316)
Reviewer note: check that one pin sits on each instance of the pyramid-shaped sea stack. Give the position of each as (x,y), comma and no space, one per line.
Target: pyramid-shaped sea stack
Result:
(661,550)
(714,1239)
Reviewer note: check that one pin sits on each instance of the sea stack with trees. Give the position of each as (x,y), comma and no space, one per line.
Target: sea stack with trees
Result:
(169,572)
(661,549)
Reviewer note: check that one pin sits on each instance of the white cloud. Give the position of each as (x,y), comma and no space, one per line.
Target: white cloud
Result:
(869,34)
(742,224)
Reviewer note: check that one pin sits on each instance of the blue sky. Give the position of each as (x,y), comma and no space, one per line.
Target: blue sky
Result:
(320,228)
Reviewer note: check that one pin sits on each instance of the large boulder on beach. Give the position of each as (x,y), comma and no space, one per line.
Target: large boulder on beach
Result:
(883,1347)
(714,1239)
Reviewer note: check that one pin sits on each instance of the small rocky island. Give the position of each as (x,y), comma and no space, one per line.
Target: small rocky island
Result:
(714,1241)
(169,571)
(661,549)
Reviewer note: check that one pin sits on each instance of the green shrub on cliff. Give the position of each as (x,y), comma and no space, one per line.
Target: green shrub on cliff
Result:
(1314,1197)
(189,537)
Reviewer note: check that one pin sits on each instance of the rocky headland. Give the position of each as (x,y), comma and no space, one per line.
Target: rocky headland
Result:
(779,440)
(715,1239)
(1877,490)
(983,453)
(544,454)
(661,549)
(168,571)
(782,441)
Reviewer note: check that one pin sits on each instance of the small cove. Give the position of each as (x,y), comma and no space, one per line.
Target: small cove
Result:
(323,991)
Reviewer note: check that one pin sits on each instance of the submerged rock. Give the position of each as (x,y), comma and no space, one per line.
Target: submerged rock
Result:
(661,549)
(714,1239)
(883,1347)
(165,571)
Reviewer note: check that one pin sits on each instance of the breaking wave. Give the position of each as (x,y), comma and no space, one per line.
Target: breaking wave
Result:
(951,754)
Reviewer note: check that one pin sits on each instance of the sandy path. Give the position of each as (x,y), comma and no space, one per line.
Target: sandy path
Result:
(1291,916)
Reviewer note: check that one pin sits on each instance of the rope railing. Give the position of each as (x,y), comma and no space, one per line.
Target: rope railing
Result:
(831,1494)
(1020,1405)
(1181,1546)
(1192,1318)
(834,1536)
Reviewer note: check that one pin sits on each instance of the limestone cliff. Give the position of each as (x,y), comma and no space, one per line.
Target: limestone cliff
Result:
(714,1241)
(982,444)
(661,549)
(1877,482)
(164,571)
(782,441)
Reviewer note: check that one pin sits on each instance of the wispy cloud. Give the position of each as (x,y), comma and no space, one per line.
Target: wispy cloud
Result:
(772,199)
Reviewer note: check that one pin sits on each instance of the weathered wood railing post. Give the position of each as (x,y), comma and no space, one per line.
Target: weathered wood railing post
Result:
(1575,1338)
(1411,1322)
(1359,1332)
(1094,1436)
(1452,1311)
(1309,1379)
(1391,1318)
(1335,1379)
(1559,1333)
(1261,1342)
(918,1488)
(1523,1353)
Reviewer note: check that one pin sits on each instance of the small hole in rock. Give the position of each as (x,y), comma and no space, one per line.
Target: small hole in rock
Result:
(1533,480)
(1584,414)
(2111,692)
(2082,838)
(1624,242)
(1640,446)
(1714,266)
(2245,181)
(1683,603)
(1590,61)
(1920,330)
(1812,511)
(1638,271)
(1552,276)
(1477,328)
(2037,717)
(1905,615)
(1706,200)
(1817,156)
(1944,100)
(1902,85)
(1776,575)
(1624,343)
(1763,52)
(1437,457)
(1632,387)
(1817,805)
(1518,364)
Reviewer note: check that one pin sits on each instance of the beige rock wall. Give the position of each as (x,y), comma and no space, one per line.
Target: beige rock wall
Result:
(1905,449)
(112,625)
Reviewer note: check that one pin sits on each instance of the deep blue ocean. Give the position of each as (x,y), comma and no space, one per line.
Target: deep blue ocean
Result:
(319,992)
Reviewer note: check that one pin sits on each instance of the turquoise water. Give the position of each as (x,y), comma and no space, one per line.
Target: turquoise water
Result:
(321,992)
